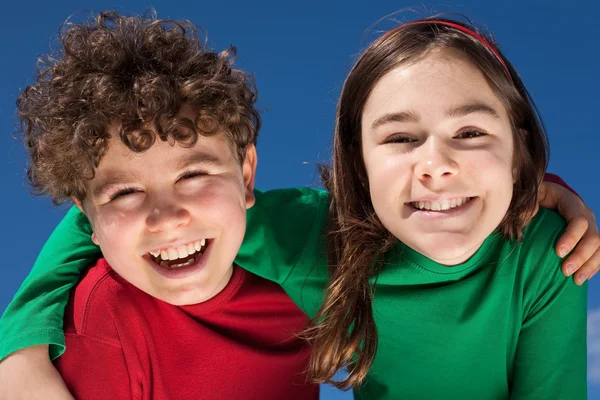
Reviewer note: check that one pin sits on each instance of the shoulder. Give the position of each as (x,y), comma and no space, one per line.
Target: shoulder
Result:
(92,305)
(546,223)
(541,235)
(540,266)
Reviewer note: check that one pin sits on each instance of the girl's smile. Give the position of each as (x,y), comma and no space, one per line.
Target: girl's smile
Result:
(454,207)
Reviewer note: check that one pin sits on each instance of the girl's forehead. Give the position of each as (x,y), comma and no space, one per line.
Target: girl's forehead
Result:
(439,79)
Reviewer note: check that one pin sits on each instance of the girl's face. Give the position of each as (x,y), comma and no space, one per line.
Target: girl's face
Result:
(438,150)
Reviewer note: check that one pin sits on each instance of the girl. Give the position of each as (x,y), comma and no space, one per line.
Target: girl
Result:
(437,162)
(438,156)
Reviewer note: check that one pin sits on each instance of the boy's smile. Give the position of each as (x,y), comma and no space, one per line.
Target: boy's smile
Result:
(180,261)
(170,220)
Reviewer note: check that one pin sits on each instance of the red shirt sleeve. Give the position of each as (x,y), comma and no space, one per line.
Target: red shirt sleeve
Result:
(93,369)
(548,177)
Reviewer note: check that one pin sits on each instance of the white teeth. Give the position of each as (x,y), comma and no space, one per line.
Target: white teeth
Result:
(440,205)
(173,255)
(182,251)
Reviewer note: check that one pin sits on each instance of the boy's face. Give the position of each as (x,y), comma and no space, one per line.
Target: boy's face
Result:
(170,220)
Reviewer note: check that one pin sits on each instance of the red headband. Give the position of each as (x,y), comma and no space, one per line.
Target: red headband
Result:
(466,30)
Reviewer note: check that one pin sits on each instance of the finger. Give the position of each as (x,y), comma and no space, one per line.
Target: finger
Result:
(585,250)
(589,269)
(592,225)
(576,228)
(545,198)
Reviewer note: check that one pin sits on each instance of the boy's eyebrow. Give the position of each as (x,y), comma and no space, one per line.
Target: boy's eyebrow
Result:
(110,182)
(199,158)
(460,111)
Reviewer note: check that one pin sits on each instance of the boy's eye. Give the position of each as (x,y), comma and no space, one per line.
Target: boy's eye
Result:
(191,174)
(471,134)
(123,193)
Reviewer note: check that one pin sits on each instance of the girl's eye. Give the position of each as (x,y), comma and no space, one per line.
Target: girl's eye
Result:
(123,193)
(472,134)
(400,139)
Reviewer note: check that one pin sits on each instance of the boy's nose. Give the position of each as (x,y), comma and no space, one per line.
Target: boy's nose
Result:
(167,217)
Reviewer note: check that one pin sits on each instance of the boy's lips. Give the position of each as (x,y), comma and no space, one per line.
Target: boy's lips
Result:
(182,267)
(174,251)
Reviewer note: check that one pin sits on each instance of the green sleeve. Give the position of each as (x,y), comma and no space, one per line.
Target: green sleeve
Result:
(35,315)
(281,226)
(551,355)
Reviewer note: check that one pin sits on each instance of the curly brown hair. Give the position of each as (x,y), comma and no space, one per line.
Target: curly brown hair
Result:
(133,70)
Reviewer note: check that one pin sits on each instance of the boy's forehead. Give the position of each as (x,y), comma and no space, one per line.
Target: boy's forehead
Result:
(212,150)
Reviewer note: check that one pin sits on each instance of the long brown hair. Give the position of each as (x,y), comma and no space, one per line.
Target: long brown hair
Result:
(343,332)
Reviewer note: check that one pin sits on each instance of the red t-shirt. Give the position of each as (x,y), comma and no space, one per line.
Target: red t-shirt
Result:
(125,344)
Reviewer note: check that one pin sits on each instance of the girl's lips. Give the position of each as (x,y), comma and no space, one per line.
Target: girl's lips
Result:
(182,272)
(453,212)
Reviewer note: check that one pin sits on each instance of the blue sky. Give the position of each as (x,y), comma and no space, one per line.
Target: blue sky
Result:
(300,53)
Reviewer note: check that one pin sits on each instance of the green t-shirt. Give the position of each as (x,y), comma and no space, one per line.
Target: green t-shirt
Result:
(505,324)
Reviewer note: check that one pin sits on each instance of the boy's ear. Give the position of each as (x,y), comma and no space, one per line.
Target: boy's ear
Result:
(80,206)
(249,174)
(77,204)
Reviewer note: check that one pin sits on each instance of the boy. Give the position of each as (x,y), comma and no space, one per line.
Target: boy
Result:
(153,137)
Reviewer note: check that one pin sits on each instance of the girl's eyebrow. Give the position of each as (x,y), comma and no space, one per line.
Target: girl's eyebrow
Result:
(459,111)
(403,116)
(473,108)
